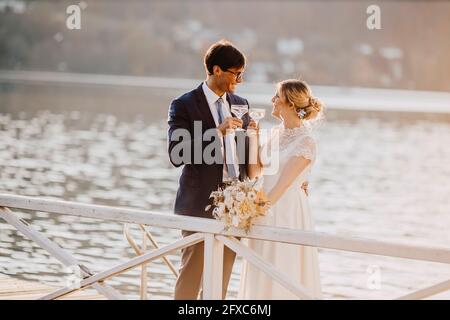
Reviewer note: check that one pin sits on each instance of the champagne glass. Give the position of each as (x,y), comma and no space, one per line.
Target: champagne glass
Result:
(239,111)
(257,114)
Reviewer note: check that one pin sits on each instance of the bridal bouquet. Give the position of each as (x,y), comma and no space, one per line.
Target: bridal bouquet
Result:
(239,203)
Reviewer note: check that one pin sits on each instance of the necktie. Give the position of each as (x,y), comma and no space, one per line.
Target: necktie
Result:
(227,146)
(219,104)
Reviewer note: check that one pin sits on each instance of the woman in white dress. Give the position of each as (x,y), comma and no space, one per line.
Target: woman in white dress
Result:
(296,151)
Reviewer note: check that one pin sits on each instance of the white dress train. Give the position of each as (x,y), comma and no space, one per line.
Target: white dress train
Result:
(292,210)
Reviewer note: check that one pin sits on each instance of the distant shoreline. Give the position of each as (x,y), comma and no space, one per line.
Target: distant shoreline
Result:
(151,96)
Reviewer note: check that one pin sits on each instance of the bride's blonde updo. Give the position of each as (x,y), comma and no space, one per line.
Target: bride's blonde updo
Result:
(298,94)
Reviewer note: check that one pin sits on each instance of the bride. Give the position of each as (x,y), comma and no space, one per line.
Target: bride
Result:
(294,104)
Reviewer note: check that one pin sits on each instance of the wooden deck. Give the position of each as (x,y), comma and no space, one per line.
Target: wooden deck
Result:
(14,289)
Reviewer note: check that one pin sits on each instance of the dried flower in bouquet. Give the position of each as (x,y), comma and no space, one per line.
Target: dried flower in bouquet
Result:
(239,204)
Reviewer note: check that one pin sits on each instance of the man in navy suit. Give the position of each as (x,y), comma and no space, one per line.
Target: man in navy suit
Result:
(207,109)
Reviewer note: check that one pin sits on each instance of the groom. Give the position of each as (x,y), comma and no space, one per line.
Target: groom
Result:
(208,104)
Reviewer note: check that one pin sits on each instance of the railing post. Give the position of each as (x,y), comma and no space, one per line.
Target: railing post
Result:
(144,295)
(212,268)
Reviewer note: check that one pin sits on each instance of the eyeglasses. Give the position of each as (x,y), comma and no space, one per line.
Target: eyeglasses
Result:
(238,75)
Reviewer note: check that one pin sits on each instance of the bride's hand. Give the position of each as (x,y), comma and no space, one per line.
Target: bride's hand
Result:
(304,186)
(252,125)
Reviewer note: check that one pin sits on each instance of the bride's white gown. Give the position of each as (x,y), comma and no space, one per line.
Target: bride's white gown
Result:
(292,210)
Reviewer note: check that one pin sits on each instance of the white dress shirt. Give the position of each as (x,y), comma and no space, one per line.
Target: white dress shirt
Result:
(231,156)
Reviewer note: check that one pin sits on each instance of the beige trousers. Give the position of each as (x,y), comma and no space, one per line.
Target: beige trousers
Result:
(191,271)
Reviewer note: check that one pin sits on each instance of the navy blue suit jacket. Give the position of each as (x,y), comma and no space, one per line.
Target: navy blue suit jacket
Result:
(198,180)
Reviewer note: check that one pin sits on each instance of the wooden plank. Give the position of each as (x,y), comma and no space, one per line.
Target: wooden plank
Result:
(266,267)
(34,296)
(20,288)
(15,289)
(212,268)
(307,238)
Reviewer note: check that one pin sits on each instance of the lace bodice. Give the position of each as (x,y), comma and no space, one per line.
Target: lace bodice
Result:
(282,145)
(299,142)
(295,142)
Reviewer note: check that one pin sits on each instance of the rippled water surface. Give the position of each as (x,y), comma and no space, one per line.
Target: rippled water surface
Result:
(380,179)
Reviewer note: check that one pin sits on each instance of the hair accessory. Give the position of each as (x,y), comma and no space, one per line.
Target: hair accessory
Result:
(301,113)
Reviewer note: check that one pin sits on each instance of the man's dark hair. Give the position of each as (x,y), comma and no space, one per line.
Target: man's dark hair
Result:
(225,55)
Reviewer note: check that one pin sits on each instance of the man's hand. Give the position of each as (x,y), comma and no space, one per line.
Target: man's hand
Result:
(229,123)
(305,187)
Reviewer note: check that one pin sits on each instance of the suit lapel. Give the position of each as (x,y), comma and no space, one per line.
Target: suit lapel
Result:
(203,106)
(230,102)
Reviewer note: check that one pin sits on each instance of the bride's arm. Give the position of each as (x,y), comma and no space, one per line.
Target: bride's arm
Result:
(291,171)
(254,165)
(303,153)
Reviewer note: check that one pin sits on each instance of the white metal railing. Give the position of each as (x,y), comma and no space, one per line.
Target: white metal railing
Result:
(211,232)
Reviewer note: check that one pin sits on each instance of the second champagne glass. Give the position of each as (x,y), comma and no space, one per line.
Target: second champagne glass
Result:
(257,114)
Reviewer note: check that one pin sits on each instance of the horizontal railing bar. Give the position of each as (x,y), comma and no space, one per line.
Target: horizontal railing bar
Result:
(286,235)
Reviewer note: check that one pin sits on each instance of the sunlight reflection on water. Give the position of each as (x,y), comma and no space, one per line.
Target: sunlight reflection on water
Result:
(385,180)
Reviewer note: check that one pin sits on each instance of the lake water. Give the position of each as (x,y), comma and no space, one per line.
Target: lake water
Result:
(378,176)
